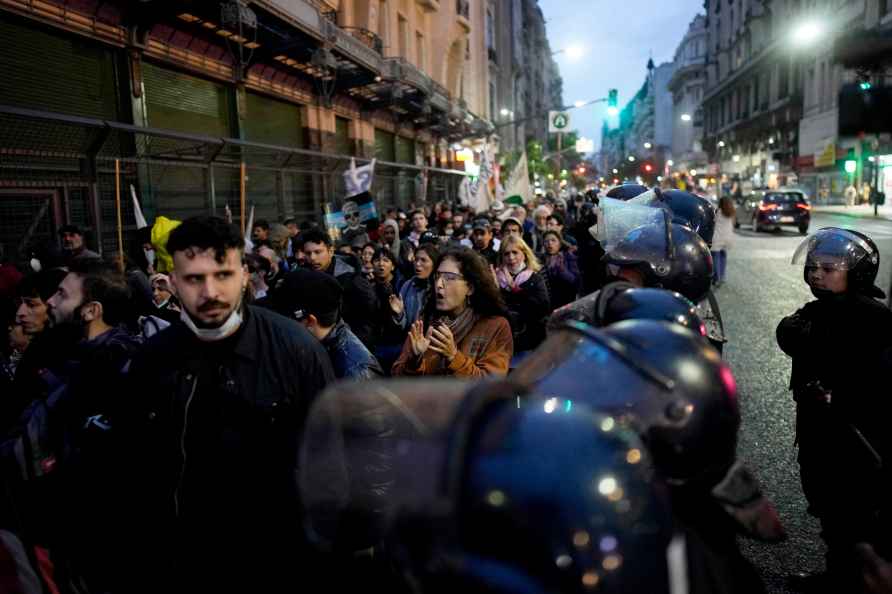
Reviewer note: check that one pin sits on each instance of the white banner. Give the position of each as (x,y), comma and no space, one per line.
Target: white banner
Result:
(359,179)
(519,181)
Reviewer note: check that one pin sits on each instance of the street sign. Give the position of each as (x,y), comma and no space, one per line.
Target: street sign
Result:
(558,121)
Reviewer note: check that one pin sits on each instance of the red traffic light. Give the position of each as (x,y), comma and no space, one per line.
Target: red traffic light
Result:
(648,167)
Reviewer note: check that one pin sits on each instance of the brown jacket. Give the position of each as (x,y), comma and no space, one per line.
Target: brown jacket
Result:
(486,350)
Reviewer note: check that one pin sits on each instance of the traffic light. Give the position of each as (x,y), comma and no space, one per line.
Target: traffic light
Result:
(648,168)
(612,103)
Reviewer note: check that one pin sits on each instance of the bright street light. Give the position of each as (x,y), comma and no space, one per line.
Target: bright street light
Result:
(504,111)
(631,159)
(579,104)
(721,144)
(807,33)
(693,173)
(648,145)
(612,110)
(771,140)
(615,171)
(574,52)
(670,163)
(685,117)
(735,158)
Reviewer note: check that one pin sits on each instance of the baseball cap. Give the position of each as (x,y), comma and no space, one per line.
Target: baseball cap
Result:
(304,292)
(482,223)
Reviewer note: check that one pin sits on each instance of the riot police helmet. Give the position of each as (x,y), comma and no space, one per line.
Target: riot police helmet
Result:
(626,191)
(832,248)
(688,209)
(668,256)
(486,489)
(620,301)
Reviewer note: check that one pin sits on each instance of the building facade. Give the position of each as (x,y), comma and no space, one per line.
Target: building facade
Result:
(686,86)
(753,94)
(185,94)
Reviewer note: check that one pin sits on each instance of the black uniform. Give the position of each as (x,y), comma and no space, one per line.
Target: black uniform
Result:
(840,347)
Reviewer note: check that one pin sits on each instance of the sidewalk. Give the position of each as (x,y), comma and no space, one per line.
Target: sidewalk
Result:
(861,211)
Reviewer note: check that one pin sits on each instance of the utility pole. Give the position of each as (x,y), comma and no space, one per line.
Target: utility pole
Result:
(560,140)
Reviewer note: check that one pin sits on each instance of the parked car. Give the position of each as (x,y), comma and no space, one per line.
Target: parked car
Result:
(774,209)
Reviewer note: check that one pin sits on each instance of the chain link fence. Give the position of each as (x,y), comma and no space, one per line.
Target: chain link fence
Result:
(57,169)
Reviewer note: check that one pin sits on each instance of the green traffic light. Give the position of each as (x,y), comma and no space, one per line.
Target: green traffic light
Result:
(865,86)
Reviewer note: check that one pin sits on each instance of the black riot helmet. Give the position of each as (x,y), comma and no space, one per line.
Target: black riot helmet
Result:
(626,191)
(668,256)
(485,489)
(620,301)
(690,210)
(664,380)
(672,387)
(832,248)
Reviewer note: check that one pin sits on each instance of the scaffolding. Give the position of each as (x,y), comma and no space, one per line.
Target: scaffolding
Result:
(57,169)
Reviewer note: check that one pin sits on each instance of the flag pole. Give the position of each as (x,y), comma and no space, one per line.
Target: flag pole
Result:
(118,209)
(242,197)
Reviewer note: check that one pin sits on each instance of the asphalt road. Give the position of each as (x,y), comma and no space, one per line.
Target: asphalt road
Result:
(762,287)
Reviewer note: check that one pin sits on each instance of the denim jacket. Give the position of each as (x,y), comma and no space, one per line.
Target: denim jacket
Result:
(349,357)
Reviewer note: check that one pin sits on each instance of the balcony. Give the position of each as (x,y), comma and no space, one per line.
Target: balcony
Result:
(463,13)
(430,5)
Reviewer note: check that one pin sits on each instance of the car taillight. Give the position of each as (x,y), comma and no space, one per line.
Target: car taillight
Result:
(764,207)
(803,206)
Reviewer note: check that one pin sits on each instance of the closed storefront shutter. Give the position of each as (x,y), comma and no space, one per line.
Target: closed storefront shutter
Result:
(270,121)
(56,72)
(405,182)
(177,101)
(385,150)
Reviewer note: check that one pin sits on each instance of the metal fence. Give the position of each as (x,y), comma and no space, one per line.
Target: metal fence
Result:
(57,169)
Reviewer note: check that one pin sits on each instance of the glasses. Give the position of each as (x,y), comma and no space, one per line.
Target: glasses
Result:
(447,277)
(351,216)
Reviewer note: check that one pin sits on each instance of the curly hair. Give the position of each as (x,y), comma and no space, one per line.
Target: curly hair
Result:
(486,300)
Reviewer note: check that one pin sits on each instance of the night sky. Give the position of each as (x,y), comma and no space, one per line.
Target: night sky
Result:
(617,36)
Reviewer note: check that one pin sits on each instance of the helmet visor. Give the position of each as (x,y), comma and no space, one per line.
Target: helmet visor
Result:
(650,244)
(836,249)
(370,449)
(584,365)
(616,218)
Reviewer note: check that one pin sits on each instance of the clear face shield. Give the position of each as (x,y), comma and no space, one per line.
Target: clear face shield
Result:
(616,218)
(828,256)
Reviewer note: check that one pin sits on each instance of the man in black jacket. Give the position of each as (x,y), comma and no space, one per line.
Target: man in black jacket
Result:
(226,393)
(360,302)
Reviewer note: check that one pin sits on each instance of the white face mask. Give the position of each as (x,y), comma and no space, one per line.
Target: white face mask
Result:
(232,323)
(150,256)
(35,265)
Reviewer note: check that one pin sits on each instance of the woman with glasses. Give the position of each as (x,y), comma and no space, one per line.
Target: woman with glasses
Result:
(524,291)
(463,331)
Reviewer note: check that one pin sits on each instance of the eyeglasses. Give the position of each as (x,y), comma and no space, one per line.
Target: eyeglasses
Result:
(447,277)
(353,215)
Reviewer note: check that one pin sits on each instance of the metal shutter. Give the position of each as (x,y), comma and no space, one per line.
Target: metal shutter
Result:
(56,72)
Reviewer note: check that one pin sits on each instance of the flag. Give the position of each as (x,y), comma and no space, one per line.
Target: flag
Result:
(517,190)
(227,214)
(137,211)
(249,245)
(359,179)
(480,197)
(464,191)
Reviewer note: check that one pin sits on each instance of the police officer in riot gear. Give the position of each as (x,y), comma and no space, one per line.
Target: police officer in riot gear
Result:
(487,491)
(672,387)
(840,344)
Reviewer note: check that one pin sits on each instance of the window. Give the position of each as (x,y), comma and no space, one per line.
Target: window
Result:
(490,30)
(420,50)
(382,23)
(883,6)
(492,100)
(403,33)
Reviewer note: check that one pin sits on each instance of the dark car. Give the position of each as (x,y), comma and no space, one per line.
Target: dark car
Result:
(774,209)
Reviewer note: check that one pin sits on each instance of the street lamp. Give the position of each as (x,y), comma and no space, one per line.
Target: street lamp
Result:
(735,158)
(615,171)
(685,117)
(670,163)
(807,33)
(721,144)
(574,52)
(578,104)
(504,111)
(631,159)
(648,145)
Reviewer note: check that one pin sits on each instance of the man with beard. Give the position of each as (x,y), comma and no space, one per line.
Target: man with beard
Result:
(93,300)
(360,301)
(224,394)
(73,246)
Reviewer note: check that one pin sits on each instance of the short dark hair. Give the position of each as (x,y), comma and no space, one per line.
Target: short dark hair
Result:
(557,217)
(316,236)
(415,212)
(384,253)
(202,233)
(104,283)
(74,229)
(290,221)
(40,285)
(257,263)
(262,223)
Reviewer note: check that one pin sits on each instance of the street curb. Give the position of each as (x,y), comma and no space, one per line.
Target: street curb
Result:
(850,214)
